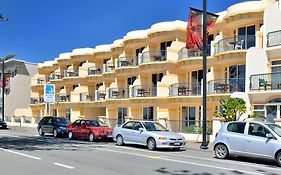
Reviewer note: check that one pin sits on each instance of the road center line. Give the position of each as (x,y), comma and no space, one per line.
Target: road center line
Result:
(179,161)
(62,165)
(21,154)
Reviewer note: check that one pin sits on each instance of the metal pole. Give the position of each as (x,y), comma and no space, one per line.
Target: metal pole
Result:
(204,144)
(3,89)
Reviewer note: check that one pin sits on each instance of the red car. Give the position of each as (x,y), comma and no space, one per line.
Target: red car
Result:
(88,129)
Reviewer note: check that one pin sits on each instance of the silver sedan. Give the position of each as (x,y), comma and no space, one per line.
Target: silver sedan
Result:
(147,133)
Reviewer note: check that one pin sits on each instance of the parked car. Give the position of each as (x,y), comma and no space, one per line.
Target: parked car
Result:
(3,124)
(251,139)
(53,125)
(147,133)
(88,129)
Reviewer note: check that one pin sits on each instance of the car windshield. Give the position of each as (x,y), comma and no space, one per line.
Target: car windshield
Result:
(61,120)
(151,126)
(275,128)
(92,123)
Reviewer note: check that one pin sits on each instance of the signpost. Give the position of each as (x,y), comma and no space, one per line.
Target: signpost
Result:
(49,96)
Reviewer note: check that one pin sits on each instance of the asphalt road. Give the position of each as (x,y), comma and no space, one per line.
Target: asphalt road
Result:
(23,152)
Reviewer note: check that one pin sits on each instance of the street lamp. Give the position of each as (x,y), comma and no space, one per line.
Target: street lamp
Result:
(7,57)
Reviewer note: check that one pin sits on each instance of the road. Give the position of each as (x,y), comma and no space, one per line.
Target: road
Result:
(23,152)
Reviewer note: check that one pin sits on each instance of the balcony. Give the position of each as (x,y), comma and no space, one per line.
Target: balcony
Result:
(190,53)
(265,82)
(221,86)
(63,98)
(36,100)
(274,38)
(235,43)
(101,95)
(127,61)
(109,67)
(144,91)
(118,93)
(87,97)
(154,56)
(41,81)
(71,73)
(185,89)
(55,76)
(95,70)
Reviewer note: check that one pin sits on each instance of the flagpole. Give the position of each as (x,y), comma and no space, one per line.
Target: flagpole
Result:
(204,144)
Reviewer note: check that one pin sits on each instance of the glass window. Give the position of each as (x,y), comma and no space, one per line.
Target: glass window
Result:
(68,113)
(257,130)
(137,126)
(122,113)
(275,128)
(77,123)
(61,120)
(237,127)
(151,126)
(129,125)
(271,113)
(261,107)
(148,113)
(188,115)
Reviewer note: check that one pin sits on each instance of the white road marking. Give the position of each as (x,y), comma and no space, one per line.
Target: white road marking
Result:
(65,166)
(21,154)
(179,161)
(8,135)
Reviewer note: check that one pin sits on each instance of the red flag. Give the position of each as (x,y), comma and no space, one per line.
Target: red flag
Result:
(194,32)
(7,79)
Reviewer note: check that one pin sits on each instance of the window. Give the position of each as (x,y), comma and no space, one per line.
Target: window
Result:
(129,125)
(197,76)
(16,72)
(68,113)
(188,115)
(164,45)
(157,78)
(98,85)
(148,113)
(74,86)
(247,34)
(55,112)
(259,109)
(257,130)
(77,123)
(131,80)
(276,66)
(122,113)
(138,54)
(137,126)
(237,127)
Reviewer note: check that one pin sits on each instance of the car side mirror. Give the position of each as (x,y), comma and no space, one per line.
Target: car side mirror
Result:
(269,136)
(141,129)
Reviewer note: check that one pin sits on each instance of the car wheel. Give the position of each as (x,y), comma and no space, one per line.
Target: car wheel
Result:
(151,144)
(70,135)
(221,151)
(278,159)
(41,133)
(55,133)
(91,137)
(119,140)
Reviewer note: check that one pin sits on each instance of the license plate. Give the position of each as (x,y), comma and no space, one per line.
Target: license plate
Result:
(177,144)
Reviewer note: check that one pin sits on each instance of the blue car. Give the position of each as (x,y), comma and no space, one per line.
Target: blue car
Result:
(53,125)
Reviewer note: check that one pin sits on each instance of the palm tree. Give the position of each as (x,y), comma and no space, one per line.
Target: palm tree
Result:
(231,107)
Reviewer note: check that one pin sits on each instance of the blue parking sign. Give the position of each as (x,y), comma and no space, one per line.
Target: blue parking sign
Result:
(49,93)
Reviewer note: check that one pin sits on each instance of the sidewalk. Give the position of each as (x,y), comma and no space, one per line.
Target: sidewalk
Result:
(196,146)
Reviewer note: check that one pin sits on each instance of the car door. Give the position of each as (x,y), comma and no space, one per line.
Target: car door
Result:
(47,126)
(127,132)
(83,130)
(74,128)
(256,142)
(234,137)
(138,136)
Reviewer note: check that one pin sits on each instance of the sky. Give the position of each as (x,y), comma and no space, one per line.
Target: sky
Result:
(39,30)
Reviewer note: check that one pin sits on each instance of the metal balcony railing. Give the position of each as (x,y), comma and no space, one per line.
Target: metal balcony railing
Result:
(154,56)
(63,98)
(109,67)
(185,89)
(118,93)
(95,70)
(55,76)
(36,100)
(41,81)
(265,82)
(101,95)
(230,85)
(274,38)
(144,91)
(71,73)
(190,53)
(87,97)
(235,43)
(127,61)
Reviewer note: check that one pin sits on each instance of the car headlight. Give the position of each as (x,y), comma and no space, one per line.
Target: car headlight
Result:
(62,128)
(162,138)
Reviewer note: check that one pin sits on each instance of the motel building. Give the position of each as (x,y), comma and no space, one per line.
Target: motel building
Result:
(150,75)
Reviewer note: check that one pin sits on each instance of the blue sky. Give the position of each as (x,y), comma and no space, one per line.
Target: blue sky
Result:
(38,30)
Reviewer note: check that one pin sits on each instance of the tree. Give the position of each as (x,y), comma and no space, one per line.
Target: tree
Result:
(231,107)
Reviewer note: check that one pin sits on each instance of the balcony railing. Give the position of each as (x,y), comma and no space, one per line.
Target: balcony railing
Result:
(118,93)
(87,97)
(71,73)
(95,70)
(36,100)
(101,95)
(154,56)
(41,81)
(265,82)
(109,67)
(274,38)
(144,91)
(190,53)
(127,61)
(63,98)
(185,89)
(235,43)
(55,76)
(226,85)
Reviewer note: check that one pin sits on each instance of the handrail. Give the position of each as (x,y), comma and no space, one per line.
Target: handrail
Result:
(274,38)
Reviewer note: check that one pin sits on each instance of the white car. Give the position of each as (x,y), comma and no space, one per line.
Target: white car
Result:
(147,133)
